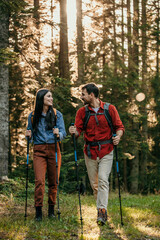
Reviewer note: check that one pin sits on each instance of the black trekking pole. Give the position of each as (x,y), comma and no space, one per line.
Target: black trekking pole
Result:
(27,177)
(118,175)
(78,187)
(57,182)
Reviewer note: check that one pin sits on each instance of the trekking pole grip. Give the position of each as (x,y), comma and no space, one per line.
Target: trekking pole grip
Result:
(74,138)
(27,145)
(115,148)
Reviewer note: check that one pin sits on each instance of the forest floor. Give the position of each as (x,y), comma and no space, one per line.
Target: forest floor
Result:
(141,216)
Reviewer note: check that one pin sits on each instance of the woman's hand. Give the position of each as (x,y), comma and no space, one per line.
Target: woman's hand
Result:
(73,130)
(28,133)
(56,131)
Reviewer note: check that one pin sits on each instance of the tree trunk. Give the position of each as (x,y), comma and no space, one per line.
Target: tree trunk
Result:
(122,36)
(129,49)
(144,149)
(157,38)
(36,15)
(52,40)
(104,41)
(135,173)
(4,99)
(63,55)
(133,78)
(114,39)
(80,43)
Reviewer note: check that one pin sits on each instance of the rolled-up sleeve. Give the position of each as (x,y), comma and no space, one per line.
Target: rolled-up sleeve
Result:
(116,121)
(61,126)
(29,126)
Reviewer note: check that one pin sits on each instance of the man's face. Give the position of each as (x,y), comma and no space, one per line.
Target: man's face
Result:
(86,98)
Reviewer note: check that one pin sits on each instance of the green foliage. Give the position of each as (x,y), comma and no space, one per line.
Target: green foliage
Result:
(13,6)
(6,55)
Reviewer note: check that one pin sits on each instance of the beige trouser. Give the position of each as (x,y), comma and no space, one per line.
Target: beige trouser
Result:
(98,173)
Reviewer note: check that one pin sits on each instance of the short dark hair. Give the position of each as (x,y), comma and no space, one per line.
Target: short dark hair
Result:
(91,88)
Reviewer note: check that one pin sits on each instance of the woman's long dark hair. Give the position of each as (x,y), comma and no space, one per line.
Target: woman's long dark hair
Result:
(50,116)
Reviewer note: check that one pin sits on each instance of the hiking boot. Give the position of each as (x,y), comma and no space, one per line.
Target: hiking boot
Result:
(38,214)
(51,211)
(102,216)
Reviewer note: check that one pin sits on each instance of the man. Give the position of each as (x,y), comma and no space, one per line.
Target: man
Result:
(98,149)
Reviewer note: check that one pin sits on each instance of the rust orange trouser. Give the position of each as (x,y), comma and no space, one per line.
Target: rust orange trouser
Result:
(44,160)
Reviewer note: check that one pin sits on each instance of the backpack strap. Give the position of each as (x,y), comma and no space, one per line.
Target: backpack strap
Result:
(106,113)
(32,116)
(108,116)
(87,116)
(55,113)
(109,120)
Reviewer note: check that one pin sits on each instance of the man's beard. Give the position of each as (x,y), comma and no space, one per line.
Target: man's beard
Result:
(84,102)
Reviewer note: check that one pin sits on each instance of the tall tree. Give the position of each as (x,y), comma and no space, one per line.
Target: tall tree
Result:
(4,83)
(115,52)
(143,110)
(52,67)
(156,87)
(63,54)
(123,39)
(36,14)
(133,79)
(80,43)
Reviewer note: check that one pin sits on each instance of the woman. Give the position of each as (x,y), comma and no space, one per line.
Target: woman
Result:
(43,125)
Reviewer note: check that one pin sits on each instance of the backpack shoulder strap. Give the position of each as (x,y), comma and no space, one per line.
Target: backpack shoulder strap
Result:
(87,116)
(108,116)
(32,116)
(55,113)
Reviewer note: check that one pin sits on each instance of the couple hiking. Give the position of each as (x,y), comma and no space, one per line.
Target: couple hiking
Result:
(97,120)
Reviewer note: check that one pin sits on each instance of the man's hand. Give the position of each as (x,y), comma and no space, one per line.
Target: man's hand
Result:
(116,139)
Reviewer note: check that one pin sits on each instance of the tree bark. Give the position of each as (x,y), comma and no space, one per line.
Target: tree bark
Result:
(80,43)
(133,78)
(114,38)
(157,38)
(144,149)
(36,15)
(122,37)
(63,55)
(4,99)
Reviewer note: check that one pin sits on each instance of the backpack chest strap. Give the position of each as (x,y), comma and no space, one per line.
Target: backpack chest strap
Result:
(95,114)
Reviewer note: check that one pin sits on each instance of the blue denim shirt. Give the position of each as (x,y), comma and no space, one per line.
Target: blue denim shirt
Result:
(42,134)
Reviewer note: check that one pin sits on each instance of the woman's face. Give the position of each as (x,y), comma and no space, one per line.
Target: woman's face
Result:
(48,100)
